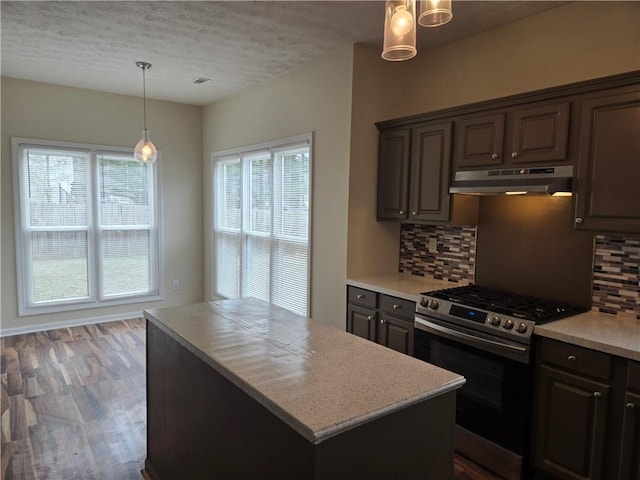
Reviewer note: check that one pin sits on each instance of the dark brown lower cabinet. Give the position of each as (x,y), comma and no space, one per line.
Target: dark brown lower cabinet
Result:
(587,414)
(571,425)
(381,318)
(630,454)
(361,321)
(395,333)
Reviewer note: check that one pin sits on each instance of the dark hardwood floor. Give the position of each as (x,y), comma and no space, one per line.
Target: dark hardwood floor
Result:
(73,405)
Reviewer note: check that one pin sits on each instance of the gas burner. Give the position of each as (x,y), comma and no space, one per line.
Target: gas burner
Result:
(524,307)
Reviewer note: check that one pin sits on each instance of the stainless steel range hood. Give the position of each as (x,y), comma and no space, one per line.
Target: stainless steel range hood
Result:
(529,180)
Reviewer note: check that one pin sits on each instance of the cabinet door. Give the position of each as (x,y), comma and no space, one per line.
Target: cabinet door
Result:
(570,427)
(630,454)
(361,321)
(396,334)
(608,193)
(540,134)
(430,172)
(479,141)
(393,173)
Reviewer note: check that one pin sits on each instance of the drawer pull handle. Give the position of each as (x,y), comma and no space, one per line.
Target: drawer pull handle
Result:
(360,296)
(630,405)
(396,306)
(597,394)
(571,358)
(370,317)
(381,322)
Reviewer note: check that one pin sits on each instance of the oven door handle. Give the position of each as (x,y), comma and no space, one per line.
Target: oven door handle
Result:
(520,354)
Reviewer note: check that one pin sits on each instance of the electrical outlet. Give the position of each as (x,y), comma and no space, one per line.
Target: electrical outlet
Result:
(176,285)
(433,245)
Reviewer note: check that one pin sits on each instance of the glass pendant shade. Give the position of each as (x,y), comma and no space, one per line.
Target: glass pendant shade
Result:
(434,13)
(145,151)
(399,30)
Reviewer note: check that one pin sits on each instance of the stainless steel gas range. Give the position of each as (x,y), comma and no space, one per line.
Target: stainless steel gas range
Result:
(486,335)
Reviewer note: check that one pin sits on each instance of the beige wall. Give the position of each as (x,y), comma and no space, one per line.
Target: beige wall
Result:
(567,44)
(38,110)
(314,98)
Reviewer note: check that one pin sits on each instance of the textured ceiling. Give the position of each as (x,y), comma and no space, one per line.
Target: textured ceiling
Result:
(95,44)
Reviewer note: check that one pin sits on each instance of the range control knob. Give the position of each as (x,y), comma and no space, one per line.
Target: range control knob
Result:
(495,320)
(424,302)
(521,328)
(433,304)
(508,324)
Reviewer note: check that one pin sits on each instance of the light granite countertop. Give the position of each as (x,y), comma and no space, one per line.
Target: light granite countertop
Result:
(319,380)
(617,335)
(614,334)
(401,285)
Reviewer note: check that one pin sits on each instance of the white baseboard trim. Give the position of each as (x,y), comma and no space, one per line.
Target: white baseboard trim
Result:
(6,332)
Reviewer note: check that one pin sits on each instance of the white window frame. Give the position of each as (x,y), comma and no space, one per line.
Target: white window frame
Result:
(94,299)
(240,154)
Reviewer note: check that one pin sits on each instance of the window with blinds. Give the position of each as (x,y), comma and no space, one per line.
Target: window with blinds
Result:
(86,227)
(261,224)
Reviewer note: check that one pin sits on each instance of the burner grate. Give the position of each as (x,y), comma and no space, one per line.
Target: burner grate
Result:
(525,307)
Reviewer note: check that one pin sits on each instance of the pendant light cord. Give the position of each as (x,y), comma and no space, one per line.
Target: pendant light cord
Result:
(144,97)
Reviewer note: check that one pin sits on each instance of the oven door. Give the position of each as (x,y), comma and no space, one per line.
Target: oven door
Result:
(496,400)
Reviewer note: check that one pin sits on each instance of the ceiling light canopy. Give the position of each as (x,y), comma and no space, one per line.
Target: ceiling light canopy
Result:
(400,25)
(145,151)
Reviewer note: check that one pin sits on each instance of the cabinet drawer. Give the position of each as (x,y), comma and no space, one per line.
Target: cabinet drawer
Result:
(398,306)
(633,380)
(576,359)
(363,297)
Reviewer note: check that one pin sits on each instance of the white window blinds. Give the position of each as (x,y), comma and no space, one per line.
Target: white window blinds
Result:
(86,226)
(261,225)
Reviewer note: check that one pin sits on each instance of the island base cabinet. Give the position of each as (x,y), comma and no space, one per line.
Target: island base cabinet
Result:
(201,425)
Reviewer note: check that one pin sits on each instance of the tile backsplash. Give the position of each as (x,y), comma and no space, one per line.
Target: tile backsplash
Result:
(449,253)
(442,252)
(616,276)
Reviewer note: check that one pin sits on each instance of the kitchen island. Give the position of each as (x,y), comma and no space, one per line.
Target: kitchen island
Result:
(243,389)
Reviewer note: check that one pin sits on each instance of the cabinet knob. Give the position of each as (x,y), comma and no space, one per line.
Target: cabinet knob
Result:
(360,296)
(571,358)
(381,321)
(396,306)
(370,317)
(514,155)
(494,156)
(401,212)
(597,394)
(578,220)
(414,213)
(630,405)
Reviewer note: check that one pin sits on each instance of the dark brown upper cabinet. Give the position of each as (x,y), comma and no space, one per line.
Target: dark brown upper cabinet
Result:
(593,126)
(430,170)
(530,135)
(393,173)
(414,168)
(608,176)
(479,141)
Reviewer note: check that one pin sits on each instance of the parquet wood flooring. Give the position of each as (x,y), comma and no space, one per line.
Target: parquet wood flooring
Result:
(73,405)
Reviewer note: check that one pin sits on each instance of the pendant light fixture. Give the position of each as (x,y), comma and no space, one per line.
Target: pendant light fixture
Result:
(400,25)
(145,151)
(399,30)
(434,13)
